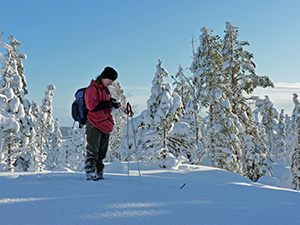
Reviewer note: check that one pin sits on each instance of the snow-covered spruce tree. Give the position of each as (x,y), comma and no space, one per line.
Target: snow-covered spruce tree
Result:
(182,86)
(238,70)
(116,136)
(55,142)
(228,144)
(44,127)
(280,130)
(19,86)
(14,52)
(197,127)
(72,151)
(205,67)
(163,108)
(13,87)
(181,142)
(295,156)
(9,127)
(290,137)
(186,141)
(191,116)
(24,161)
(223,144)
(255,163)
(269,118)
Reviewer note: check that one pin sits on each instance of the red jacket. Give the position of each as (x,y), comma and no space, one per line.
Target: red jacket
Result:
(101,119)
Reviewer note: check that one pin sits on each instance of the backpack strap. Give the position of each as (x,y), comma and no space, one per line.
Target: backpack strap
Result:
(84,96)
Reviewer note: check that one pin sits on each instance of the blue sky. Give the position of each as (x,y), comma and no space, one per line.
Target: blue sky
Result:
(68,43)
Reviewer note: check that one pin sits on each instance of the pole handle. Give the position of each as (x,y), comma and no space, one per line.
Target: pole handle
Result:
(128,111)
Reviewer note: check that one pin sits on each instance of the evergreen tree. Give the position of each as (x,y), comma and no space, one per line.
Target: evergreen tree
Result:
(9,127)
(44,127)
(14,53)
(280,130)
(210,93)
(186,89)
(255,163)
(15,81)
(290,137)
(116,136)
(182,86)
(72,151)
(184,142)
(181,143)
(269,119)
(240,77)
(164,107)
(187,143)
(55,142)
(12,92)
(295,156)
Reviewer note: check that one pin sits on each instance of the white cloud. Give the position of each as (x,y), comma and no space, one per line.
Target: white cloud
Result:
(281,95)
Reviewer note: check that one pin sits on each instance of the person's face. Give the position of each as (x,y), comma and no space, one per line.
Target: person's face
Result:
(106,82)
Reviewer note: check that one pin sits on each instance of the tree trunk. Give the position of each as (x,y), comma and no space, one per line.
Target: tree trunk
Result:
(9,159)
(212,141)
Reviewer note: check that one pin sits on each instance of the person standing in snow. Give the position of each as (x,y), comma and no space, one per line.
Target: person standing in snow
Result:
(99,122)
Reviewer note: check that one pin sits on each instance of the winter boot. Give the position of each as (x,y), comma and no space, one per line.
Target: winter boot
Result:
(99,177)
(91,175)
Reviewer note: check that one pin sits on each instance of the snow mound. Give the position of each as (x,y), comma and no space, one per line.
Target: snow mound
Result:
(268,180)
(282,173)
(116,167)
(171,162)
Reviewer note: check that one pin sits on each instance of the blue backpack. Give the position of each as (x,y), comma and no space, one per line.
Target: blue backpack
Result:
(79,110)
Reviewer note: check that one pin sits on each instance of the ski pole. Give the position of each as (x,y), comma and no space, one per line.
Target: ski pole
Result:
(130,113)
(137,157)
(128,152)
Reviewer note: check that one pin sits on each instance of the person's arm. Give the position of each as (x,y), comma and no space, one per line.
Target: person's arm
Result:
(102,105)
(92,100)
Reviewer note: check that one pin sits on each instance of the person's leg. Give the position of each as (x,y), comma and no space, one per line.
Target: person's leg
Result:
(92,148)
(102,153)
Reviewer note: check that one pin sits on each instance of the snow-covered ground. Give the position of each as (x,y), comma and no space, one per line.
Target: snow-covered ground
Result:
(188,194)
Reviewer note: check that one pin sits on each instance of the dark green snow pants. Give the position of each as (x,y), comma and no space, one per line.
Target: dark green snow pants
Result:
(96,148)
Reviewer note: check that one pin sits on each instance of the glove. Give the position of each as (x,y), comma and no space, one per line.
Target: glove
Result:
(116,105)
(104,104)
(112,100)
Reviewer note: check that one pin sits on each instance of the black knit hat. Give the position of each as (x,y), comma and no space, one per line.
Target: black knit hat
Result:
(109,73)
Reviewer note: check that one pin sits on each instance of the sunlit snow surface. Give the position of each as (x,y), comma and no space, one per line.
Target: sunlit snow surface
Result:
(209,196)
